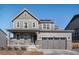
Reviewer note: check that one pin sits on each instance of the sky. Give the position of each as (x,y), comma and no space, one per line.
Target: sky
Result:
(60,13)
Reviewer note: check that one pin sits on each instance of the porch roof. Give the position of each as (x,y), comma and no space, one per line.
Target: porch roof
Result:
(58,31)
(22,30)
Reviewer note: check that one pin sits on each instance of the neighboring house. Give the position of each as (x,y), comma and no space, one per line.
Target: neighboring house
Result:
(28,29)
(3,39)
(74,25)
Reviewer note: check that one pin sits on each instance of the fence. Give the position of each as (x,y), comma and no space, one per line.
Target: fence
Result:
(75,45)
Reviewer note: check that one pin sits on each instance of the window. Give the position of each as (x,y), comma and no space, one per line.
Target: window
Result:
(62,38)
(44,38)
(56,38)
(47,38)
(44,26)
(33,24)
(50,38)
(47,26)
(25,25)
(17,24)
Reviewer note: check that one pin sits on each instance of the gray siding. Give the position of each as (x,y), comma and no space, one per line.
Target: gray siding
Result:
(3,39)
(25,17)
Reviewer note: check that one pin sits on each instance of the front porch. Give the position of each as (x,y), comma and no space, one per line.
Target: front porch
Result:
(19,43)
(22,38)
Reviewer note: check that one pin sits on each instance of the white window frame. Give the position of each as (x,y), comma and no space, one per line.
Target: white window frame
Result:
(46,25)
(17,24)
(33,24)
(24,25)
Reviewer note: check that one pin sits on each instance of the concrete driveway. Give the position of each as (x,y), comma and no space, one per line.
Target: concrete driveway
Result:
(77,50)
(59,52)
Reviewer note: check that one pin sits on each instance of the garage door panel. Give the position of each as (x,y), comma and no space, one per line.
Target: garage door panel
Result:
(44,44)
(62,44)
(50,44)
(56,44)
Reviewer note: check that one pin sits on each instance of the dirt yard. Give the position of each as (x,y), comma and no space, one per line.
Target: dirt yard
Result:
(19,52)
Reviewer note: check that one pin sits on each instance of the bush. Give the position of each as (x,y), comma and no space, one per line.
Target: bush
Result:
(23,48)
(15,48)
(9,48)
(2,48)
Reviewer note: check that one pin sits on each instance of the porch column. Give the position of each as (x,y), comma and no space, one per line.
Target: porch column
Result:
(37,35)
(32,39)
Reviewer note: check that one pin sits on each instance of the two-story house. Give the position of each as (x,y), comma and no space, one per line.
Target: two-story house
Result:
(28,29)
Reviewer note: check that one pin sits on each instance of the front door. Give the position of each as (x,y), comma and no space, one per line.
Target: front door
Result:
(35,38)
(18,36)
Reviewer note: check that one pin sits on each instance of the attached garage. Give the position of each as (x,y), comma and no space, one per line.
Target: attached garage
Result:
(53,43)
(55,39)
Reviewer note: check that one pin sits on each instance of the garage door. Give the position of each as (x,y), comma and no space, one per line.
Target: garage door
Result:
(53,43)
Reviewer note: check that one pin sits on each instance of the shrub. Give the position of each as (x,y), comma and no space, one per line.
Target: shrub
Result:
(23,48)
(15,48)
(9,48)
(2,48)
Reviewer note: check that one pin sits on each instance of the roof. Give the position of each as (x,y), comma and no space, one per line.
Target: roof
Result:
(74,17)
(46,20)
(22,30)
(3,31)
(35,30)
(59,31)
(24,10)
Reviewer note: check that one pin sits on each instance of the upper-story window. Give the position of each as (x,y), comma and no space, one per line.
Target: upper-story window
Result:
(46,26)
(17,24)
(25,25)
(33,24)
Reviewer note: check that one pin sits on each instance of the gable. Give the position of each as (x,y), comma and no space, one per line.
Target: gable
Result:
(25,15)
